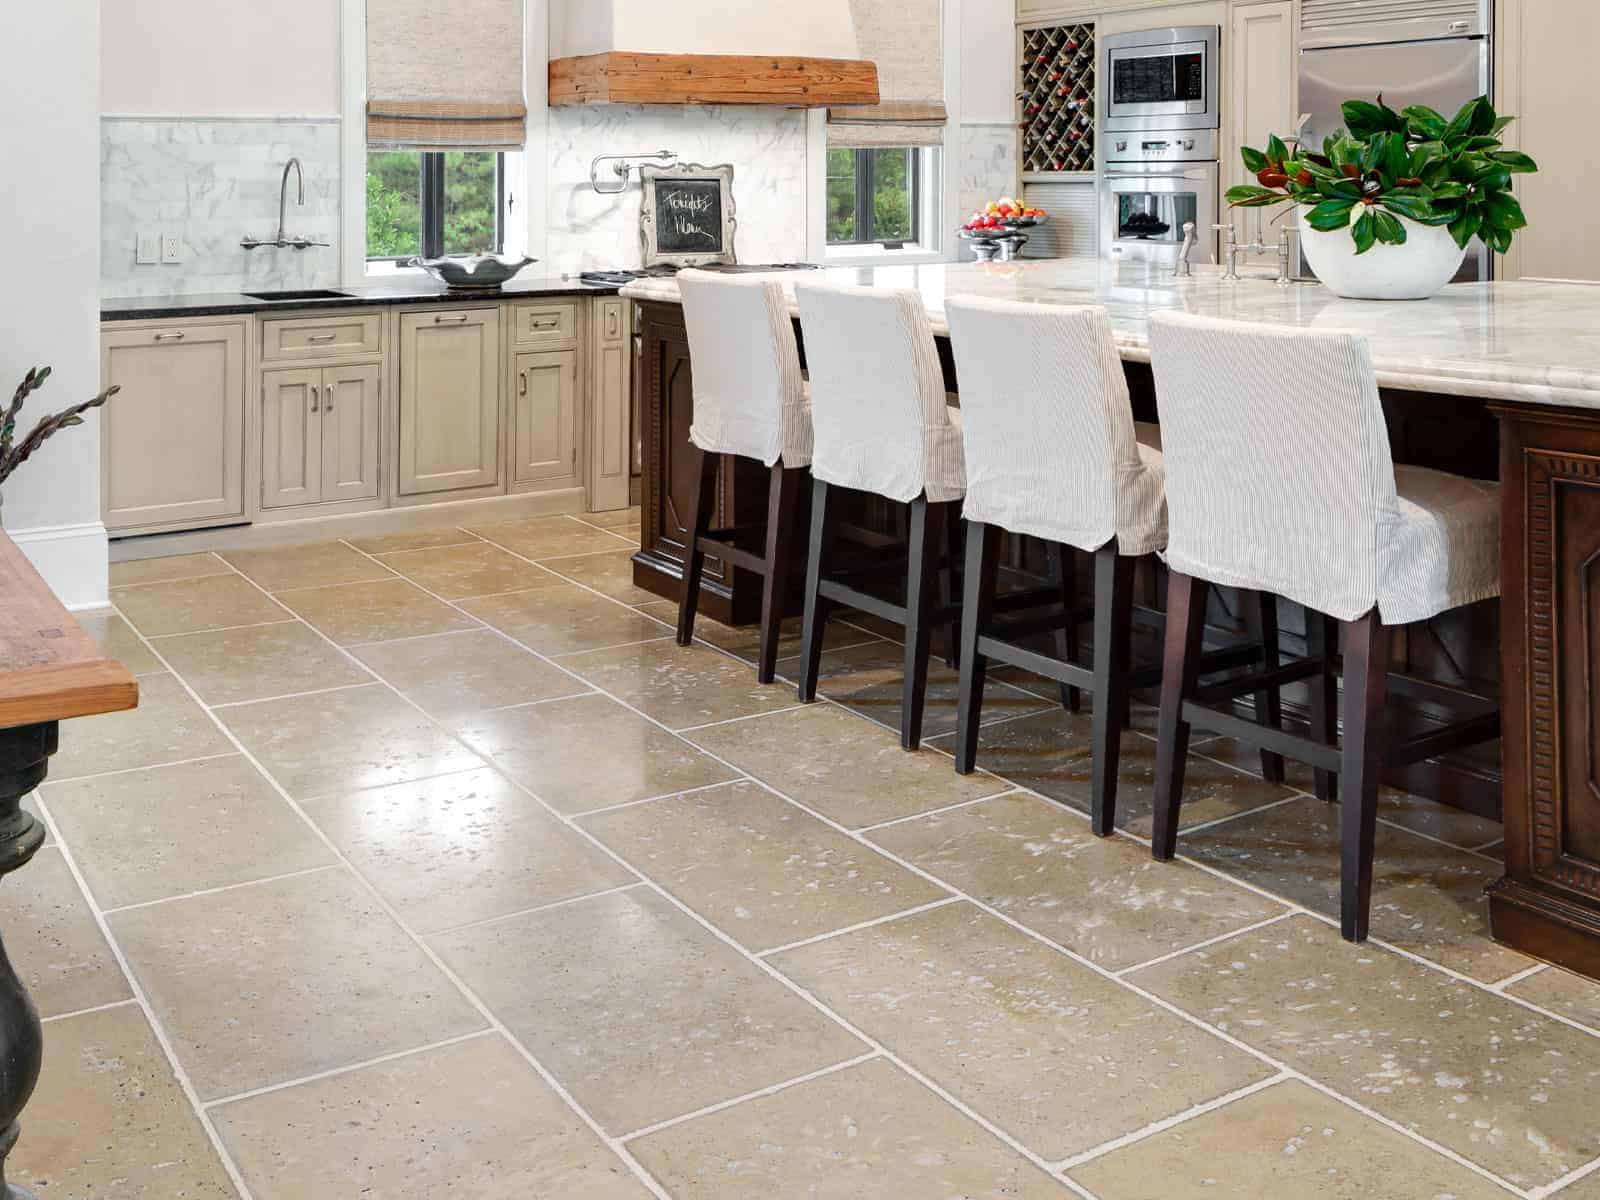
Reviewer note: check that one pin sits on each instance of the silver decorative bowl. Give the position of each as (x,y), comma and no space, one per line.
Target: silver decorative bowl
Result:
(471,272)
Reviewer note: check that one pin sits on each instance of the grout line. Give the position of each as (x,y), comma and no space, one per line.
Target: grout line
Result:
(347,1069)
(860,925)
(771,712)
(1517,977)
(228,887)
(84,1012)
(343,687)
(759,1093)
(937,812)
(626,804)
(528,912)
(471,714)
(227,569)
(1189,830)
(1429,837)
(415,637)
(1571,1177)
(167,637)
(1285,915)
(177,762)
(667,636)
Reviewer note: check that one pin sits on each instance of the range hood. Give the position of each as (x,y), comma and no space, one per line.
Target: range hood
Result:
(706,52)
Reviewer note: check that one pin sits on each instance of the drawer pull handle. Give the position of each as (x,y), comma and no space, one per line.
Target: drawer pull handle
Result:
(176,336)
(522,383)
(322,337)
(548,323)
(313,399)
(458,319)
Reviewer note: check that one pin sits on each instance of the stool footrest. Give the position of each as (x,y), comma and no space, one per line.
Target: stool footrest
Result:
(1456,736)
(732,552)
(1039,664)
(1258,681)
(888,610)
(1291,745)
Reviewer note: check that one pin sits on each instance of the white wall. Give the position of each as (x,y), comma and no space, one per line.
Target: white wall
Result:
(207,58)
(818,28)
(988,63)
(49,291)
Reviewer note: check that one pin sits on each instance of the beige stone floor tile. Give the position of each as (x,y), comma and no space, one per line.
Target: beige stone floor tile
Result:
(166,831)
(867,1131)
(168,726)
(462,848)
(565,619)
(52,940)
(680,686)
(1500,1085)
(1103,898)
(192,605)
(318,564)
(477,569)
(117,640)
(611,575)
(472,1121)
(413,539)
(744,641)
(109,1119)
(639,1012)
(164,570)
(1055,1054)
(450,674)
(870,680)
(226,666)
(550,537)
(333,741)
(1052,753)
(589,752)
(1285,1140)
(1562,992)
(851,771)
(355,613)
(613,518)
(757,867)
(262,984)
(1426,897)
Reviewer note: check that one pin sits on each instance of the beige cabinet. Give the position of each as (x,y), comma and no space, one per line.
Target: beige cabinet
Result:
(449,365)
(173,439)
(1261,83)
(544,417)
(319,435)
(610,405)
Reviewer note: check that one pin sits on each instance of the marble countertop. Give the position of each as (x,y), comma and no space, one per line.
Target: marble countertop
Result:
(1528,342)
(412,288)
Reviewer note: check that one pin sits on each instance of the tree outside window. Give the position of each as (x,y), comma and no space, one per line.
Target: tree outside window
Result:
(873,196)
(434,203)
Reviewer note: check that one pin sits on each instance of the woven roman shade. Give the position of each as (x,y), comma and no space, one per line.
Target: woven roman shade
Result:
(445,74)
(905,39)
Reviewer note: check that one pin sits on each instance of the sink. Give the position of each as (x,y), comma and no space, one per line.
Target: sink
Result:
(312,294)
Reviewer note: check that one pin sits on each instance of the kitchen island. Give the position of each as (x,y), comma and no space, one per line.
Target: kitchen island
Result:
(1498,380)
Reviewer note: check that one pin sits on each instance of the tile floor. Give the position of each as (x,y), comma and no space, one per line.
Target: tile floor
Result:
(430,866)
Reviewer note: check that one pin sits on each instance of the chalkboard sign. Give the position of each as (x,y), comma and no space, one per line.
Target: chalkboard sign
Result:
(687,215)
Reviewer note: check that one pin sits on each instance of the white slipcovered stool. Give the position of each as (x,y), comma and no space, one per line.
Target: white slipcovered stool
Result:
(1279,478)
(750,401)
(882,426)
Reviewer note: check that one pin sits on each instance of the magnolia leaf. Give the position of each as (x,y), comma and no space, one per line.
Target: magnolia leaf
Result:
(1502,210)
(1416,207)
(1500,123)
(1364,119)
(1254,160)
(1331,214)
(1277,152)
(1425,123)
(1514,161)
(1388,229)
(1464,226)
(1365,232)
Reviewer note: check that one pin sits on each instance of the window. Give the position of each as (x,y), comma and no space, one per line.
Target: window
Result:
(874,197)
(432,203)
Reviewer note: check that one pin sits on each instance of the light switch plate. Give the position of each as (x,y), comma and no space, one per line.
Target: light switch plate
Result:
(171,248)
(149,250)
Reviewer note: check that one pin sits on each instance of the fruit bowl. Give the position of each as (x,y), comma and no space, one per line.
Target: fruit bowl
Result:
(999,220)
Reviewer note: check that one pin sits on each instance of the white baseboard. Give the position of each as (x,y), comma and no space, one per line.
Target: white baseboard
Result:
(73,560)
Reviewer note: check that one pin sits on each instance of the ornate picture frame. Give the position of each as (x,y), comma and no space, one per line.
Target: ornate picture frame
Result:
(687,218)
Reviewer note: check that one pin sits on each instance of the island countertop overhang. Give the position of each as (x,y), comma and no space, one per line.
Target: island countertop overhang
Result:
(1522,342)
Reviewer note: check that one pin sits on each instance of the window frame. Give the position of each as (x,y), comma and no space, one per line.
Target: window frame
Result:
(431,205)
(865,217)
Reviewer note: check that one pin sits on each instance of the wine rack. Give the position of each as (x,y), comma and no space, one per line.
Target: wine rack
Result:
(1057,98)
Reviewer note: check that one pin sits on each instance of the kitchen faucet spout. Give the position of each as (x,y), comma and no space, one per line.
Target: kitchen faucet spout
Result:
(283,195)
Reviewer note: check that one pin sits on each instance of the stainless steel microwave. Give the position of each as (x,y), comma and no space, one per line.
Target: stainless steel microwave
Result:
(1161,78)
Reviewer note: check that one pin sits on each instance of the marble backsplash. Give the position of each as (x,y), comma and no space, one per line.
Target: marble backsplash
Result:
(987,168)
(767,147)
(212,182)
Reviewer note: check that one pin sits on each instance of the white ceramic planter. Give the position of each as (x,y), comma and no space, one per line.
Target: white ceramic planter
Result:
(1416,270)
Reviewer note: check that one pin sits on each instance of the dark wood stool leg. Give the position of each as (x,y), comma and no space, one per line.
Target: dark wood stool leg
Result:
(1064,566)
(949,585)
(1180,669)
(782,497)
(1261,614)
(700,512)
(815,622)
(983,566)
(24,753)
(922,566)
(1322,644)
(1366,667)
(1113,619)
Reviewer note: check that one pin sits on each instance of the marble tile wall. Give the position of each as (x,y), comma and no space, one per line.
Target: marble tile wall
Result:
(987,167)
(211,182)
(767,147)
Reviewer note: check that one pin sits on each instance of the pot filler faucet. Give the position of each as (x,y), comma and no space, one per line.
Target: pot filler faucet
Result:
(283,240)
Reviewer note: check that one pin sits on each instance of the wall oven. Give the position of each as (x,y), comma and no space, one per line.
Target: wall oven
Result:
(1150,184)
(1160,79)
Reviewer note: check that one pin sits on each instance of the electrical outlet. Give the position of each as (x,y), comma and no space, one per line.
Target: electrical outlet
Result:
(171,248)
(149,250)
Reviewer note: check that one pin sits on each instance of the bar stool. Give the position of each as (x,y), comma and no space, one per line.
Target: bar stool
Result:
(1279,478)
(883,427)
(749,401)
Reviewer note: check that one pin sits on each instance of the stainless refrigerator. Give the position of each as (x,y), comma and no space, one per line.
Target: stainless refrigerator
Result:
(1433,52)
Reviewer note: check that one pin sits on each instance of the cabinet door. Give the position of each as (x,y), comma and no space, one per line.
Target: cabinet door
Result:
(291,438)
(449,400)
(610,452)
(350,433)
(1263,74)
(544,417)
(172,441)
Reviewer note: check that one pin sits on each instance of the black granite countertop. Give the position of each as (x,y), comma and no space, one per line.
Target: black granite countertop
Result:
(409,290)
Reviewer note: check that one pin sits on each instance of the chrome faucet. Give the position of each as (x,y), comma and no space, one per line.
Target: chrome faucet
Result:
(1230,249)
(283,239)
(1285,274)
(1182,270)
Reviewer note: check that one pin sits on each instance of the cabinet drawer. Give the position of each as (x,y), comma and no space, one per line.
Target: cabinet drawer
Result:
(321,337)
(544,324)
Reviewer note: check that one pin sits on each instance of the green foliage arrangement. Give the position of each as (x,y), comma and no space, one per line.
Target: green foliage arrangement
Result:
(1386,164)
(14,453)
